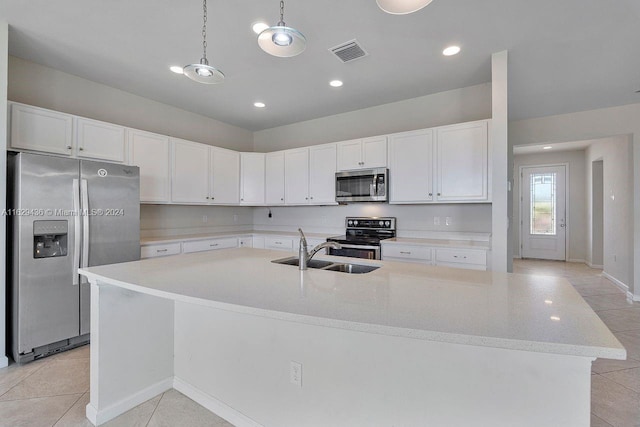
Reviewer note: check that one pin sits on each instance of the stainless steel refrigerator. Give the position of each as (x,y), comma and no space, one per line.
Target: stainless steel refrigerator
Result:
(64,214)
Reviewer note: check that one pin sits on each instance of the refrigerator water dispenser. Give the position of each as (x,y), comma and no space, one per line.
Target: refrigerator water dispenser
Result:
(49,239)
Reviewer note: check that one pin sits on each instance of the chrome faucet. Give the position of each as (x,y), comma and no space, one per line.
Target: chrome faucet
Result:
(304,256)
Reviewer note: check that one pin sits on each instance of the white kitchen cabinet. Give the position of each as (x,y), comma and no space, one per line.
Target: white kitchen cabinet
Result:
(38,129)
(364,153)
(252,178)
(245,242)
(190,172)
(274,178)
(322,174)
(224,176)
(280,243)
(100,140)
(296,173)
(411,167)
(258,242)
(462,162)
(472,259)
(407,253)
(153,251)
(151,153)
(209,245)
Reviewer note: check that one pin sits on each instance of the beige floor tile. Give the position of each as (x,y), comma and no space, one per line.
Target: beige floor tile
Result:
(592,289)
(76,416)
(631,341)
(629,378)
(38,412)
(175,409)
(601,366)
(614,403)
(610,302)
(14,373)
(76,353)
(598,422)
(56,378)
(620,320)
(138,416)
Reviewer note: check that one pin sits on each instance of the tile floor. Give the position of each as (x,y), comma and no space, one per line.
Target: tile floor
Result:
(54,391)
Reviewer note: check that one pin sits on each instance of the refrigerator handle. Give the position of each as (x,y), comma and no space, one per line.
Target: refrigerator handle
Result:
(76,234)
(85,226)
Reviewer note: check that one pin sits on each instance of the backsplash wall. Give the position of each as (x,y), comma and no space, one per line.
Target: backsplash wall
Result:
(176,220)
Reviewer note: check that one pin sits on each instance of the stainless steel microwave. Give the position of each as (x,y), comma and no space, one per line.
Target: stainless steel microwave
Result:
(363,185)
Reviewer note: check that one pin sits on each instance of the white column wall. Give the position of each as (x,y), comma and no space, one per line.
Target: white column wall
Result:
(4,59)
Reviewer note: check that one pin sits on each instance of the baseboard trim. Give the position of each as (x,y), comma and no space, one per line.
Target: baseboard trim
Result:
(616,282)
(582,261)
(98,417)
(591,265)
(214,405)
(4,361)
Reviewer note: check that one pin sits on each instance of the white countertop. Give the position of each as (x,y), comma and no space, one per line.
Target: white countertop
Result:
(222,234)
(408,300)
(444,243)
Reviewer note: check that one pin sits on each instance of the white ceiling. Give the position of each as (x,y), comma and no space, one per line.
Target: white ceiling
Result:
(555,147)
(567,55)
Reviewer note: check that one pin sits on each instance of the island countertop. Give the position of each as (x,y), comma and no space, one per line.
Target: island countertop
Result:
(501,310)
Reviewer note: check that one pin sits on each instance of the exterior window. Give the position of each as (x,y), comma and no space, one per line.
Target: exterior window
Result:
(543,204)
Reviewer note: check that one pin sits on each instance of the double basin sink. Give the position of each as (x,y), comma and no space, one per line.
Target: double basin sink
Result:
(329,265)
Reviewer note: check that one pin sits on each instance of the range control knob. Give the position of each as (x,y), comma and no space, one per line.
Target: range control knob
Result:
(355,222)
(387,223)
(350,222)
(381,223)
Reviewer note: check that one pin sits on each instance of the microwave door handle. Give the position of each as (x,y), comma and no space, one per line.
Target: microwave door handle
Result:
(76,232)
(85,226)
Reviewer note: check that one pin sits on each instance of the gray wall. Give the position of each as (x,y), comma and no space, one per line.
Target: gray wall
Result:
(174,220)
(34,84)
(454,106)
(595,214)
(576,201)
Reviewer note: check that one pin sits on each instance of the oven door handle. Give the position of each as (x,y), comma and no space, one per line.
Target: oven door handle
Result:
(359,247)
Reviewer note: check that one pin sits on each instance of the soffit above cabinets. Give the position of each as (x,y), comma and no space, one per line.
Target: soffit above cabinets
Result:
(564,56)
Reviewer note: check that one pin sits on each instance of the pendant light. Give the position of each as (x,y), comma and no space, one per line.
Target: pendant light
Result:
(280,40)
(402,7)
(203,72)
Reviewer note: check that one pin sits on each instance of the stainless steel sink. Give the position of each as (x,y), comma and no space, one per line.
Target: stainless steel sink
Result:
(314,263)
(351,268)
(329,265)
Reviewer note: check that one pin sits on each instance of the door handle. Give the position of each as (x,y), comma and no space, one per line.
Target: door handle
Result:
(85,225)
(563,225)
(76,232)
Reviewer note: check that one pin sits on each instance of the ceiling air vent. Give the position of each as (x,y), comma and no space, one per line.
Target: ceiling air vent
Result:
(348,51)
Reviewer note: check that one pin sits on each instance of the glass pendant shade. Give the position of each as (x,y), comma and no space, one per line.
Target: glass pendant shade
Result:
(402,7)
(203,73)
(282,41)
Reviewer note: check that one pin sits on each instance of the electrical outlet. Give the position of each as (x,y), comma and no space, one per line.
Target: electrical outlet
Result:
(615,258)
(448,220)
(235,217)
(436,220)
(295,373)
(205,218)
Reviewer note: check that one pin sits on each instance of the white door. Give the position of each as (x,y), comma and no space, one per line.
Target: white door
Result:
(274,178)
(252,178)
(225,176)
(190,178)
(411,167)
(350,155)
(99,140)
(543,197)
(374,152)
(150,152)
(322,174)
(296,176)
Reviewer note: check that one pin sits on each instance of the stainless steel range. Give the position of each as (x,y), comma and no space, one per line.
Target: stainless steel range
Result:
(363,236)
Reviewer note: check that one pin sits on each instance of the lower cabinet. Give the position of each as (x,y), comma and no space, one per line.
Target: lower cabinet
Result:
(472,259)
(279,243)
(152,251)
(245,242)
(209,245)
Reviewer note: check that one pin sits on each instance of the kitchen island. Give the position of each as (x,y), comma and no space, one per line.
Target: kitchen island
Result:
(263,344)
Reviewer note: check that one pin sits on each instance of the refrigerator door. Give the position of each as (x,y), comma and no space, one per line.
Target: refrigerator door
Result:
(110,196)
(45,296)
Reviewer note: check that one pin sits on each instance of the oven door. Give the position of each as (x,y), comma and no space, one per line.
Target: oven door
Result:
(356,251)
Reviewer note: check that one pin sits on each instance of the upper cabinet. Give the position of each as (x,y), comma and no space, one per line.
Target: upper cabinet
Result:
(296,176)
(310,175)
(462,170)
(190,172)
(453,168)
(252,178)
(225,176)
(274,178)
(37,129)
(99,140)
(151,153)
(364,153)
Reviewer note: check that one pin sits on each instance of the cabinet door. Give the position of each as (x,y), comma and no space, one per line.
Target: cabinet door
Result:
(350,155)
(463,162)
(150,152)
(41,130)
(296,176)
(190,174)
(374,152)
(322,174)
(411,167)
(252,181)
(99,140)
(274,178)
(225,176)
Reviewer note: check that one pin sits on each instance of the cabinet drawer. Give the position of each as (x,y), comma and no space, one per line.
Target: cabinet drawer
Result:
(210,245)
(463,256)
(408,252)
(245,242)
(152,251)
(279,243)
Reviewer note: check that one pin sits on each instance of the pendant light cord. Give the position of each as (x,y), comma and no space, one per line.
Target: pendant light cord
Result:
(204,30)
(281,23)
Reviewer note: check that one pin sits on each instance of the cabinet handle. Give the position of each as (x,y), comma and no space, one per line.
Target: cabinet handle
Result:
(207,197)
(81,149)
(306,198)
(213,245)
(161,250)
(430,194)
(242,200)
(282,199)
(311,197)
(278,243)
(406,253)
(69,147)
(456,256)
(439,194)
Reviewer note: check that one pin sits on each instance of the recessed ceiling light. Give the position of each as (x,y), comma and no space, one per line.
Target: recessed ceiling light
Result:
(451,50)
(259,27)
(555,318)
(335,83)
(548,147)
(548,302)
(177,69)
(259,104)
